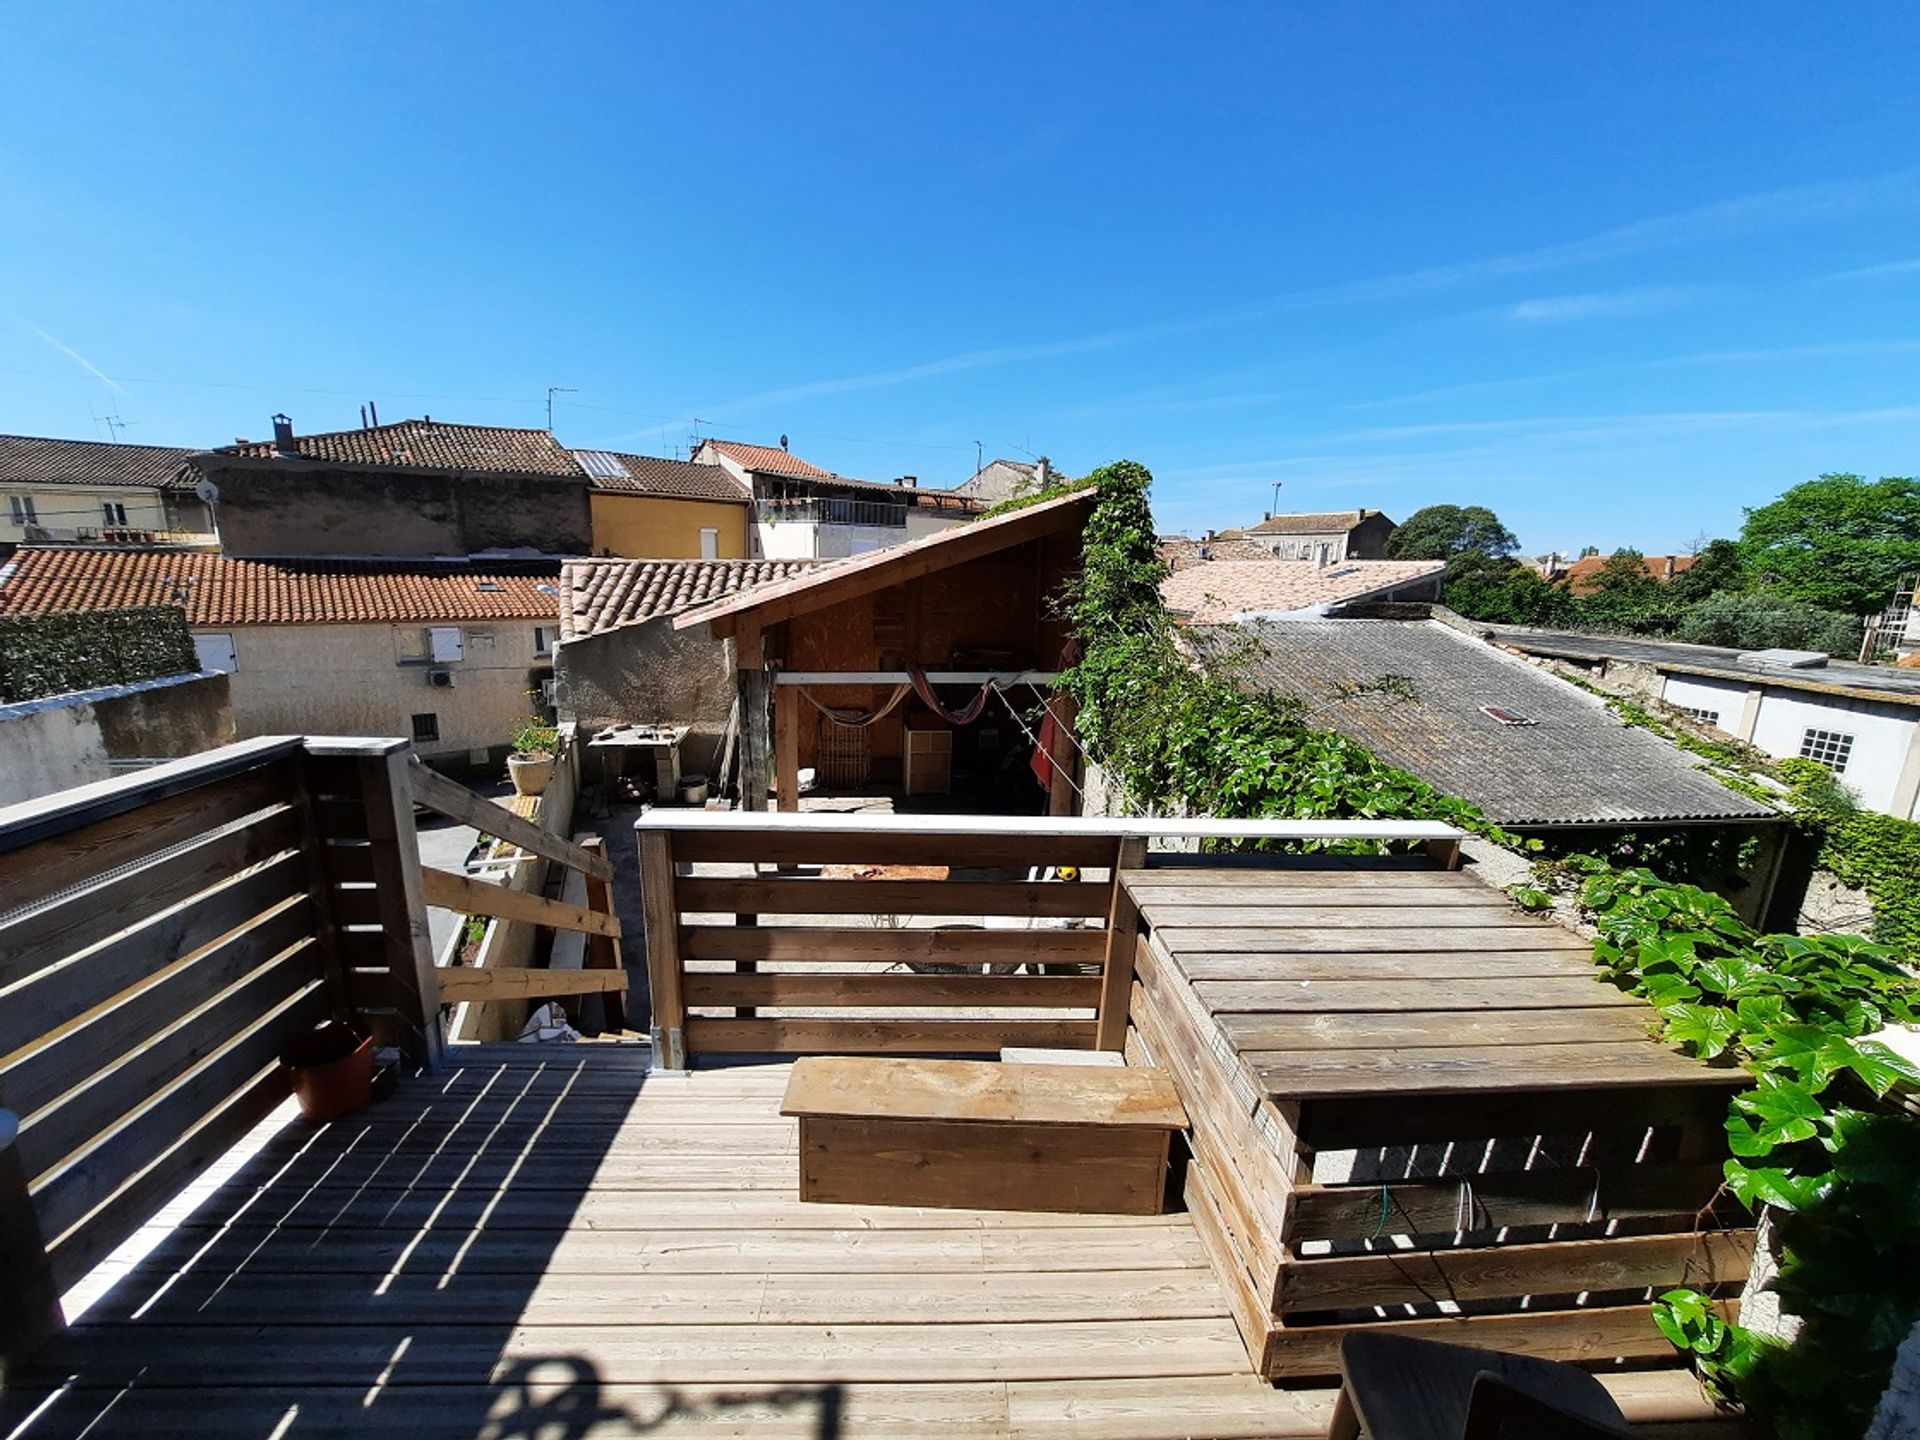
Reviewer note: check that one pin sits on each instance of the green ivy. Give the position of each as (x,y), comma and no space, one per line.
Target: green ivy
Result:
(1812,1138)
(57,654)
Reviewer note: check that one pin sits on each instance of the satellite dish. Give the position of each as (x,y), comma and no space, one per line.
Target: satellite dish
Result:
(783,442)
(207,491)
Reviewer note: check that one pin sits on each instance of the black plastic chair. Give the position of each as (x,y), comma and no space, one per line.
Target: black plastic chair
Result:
(1394,1387)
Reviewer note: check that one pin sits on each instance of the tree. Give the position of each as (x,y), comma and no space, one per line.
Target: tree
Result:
(1440,532)
(1717,566)
(1838,543)
(1504,592)
(1763,622)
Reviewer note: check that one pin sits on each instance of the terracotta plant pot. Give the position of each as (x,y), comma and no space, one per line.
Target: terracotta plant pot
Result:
(530,773)
(332,1067)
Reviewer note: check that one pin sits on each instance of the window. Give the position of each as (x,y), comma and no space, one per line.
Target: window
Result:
(216,652)
(1829,747)
(1694,712)
(709,544)
(426,729)
(543,638)
(22,508)
(112,512)
(444,644)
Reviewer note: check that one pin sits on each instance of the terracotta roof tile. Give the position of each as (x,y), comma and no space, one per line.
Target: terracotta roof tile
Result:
(227,590)
(599,595)
(1184,554)
(431,444)
(652,475)
(769,459)
(31,460)
(1217,592)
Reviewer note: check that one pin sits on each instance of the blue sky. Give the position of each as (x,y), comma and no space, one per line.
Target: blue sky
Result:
(1614,271)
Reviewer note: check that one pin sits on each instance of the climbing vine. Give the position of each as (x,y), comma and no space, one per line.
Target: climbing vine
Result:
(1814,1138)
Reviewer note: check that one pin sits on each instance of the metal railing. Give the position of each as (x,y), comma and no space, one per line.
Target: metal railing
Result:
(883,514)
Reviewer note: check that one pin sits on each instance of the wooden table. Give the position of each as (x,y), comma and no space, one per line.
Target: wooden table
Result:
(1510,1110)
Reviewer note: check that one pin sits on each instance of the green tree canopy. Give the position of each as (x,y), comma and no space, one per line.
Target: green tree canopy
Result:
(1505,592)
(1764,622)
(1440,532)
(1839,542)
(1717,566)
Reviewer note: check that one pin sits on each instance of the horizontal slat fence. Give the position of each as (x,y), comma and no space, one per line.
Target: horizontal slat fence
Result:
(165,935)
(965,964)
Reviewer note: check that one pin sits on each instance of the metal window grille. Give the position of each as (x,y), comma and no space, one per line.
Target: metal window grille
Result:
(426,728)
(1829,747)
(1708,717)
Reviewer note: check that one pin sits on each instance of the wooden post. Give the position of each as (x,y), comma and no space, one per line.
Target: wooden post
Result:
(1123,928)
(603,953)
(786,748)
(756,745)
(31,1314)
(1063,752)
(386,791)
(662,910)
(1444,853)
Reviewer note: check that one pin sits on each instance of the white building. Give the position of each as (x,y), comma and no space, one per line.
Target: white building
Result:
(1861,721)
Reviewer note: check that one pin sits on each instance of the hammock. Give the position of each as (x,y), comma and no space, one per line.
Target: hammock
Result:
(858,719)
(953,717)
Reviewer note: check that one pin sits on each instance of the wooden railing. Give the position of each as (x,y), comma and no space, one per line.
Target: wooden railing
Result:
(843,955)
(164,936)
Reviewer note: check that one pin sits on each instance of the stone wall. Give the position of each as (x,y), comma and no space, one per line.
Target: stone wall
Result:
(650,673)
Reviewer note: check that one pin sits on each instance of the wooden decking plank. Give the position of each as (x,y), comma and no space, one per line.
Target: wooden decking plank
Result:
(1419,1029)
(1482,1069)
(978,1090)
(1368,965)
(1549,992)
(1527,935)
(1354,916)
(713,1298)
(643,1354)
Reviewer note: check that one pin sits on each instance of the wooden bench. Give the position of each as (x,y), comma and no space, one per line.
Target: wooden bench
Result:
(976,1135)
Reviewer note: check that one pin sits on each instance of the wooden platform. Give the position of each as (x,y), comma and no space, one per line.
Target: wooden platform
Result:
(1416,1105)
(554,1236)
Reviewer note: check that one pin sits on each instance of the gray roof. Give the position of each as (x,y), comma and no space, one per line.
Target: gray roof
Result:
(1896,685)
(652,475)
(1577,764)
(34,460)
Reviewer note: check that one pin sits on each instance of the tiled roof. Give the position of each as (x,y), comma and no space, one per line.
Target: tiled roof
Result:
(1218,591)
(226,590)
(1576,764)
(599,595)
(431,444)
(769,459)
(31,460)
(1326,523)
(1583,572)
(1182,554)
(652,475)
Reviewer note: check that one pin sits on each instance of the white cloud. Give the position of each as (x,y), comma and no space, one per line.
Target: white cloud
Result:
(1601,304)
(75,356)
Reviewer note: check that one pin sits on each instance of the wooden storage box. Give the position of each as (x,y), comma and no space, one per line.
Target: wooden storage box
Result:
(976,1135)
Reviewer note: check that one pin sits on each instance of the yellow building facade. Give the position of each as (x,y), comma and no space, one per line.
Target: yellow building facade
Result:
(656,527)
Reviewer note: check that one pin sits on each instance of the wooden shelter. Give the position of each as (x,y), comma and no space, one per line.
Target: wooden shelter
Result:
(823,659)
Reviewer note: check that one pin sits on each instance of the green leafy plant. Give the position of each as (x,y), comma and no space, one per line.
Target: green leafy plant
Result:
(57,654)
(536,737)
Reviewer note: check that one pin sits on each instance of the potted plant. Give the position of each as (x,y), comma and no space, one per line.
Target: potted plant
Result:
(530,766)
(331,1067)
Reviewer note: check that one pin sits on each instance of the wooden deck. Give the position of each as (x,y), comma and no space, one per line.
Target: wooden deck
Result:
(555,1237)
(1416,1105)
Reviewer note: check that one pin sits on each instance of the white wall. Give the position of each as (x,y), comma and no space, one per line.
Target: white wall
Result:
(1883,769)
(61,741)
(929,522)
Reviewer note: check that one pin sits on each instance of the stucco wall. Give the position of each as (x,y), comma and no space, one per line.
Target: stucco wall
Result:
(372,680)
(929,522)
(642,527)
(67,740)
(60,510)
(650,673)
(1883,736)
(295,508)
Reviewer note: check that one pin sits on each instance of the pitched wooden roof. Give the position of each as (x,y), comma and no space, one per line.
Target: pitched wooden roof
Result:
(879,569)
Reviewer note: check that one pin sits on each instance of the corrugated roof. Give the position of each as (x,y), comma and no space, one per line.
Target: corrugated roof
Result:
(227,590)
(1576,764)
(33,460)
(1218,591)
(652,475)
(432,445)
(599,595)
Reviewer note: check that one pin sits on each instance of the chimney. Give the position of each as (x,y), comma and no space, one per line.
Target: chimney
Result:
(283,436)
(1042,471)
(911,482)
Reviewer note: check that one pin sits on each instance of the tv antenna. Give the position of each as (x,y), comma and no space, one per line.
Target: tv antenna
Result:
(553,390)
(1276,497)
(979,457)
